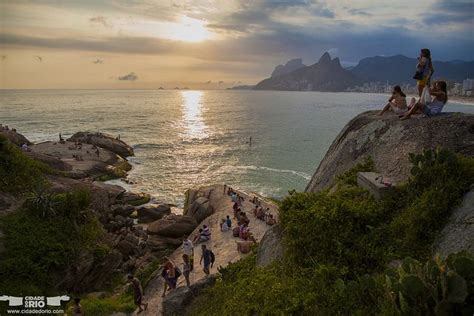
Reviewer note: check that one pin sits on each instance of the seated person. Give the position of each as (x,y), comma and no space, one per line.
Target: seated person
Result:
(261,214)
(206,233)
(435,107)
(270,220)
(397,102)
(228,221)
(224,226)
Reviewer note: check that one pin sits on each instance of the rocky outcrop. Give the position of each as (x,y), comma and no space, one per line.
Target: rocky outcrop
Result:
(200,209)
(104,141)
(174,226)
(53,162)
(290,66)
(458,234)
(90,274)
(270,247)
(15,137)
(152,212)
(325,75)
(199,202)
(388,140)
(177,301)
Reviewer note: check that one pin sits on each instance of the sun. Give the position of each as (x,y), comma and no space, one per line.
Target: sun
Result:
(188,30)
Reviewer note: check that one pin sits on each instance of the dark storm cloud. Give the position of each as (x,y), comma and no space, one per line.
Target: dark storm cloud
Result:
(448,12)
(129,77)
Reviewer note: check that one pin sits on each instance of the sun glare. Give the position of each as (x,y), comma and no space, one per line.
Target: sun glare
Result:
(188,30)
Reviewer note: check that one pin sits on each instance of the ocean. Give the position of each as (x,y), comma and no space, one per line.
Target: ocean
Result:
(189,138)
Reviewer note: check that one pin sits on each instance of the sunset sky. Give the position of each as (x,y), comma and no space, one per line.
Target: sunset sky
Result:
(212,43)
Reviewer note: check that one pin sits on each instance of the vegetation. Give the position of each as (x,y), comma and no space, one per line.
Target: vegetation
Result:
(18,172)
(43,238)
(339,244)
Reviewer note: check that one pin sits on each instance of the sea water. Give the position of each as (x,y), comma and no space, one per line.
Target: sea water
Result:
(189,138)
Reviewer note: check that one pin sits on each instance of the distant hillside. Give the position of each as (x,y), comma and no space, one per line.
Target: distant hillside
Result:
(325,75)
(290,66)
(400,69)
(243,87)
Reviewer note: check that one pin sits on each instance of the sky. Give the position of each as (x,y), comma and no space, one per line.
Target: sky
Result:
(212,44)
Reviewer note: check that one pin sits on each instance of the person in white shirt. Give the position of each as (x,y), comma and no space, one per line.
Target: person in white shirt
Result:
(188,249)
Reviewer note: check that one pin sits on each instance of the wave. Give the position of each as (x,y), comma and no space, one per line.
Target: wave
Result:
(296,173)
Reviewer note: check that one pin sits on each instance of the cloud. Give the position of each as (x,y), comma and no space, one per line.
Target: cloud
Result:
(358,12)
(450,12)
(98,61)
(129,77)
(100,20)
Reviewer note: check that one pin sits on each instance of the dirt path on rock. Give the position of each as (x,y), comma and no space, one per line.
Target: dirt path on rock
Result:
(223,244)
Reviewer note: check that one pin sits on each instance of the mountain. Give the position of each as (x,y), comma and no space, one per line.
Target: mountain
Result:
(325,75)
(400,69)
(290,66)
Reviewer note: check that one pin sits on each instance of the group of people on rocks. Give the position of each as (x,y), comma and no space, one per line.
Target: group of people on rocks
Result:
(432,98)
(171,272)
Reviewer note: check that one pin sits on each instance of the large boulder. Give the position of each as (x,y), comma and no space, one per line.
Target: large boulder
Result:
(152,212)
(388,140)
(105,141)
(270,247)
(174,226)
(14,136)
(200,209)
(53,162)
(177,301)
(128,245)
(458,234)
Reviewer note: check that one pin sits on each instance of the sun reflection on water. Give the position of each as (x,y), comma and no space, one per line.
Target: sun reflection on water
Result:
(193,122)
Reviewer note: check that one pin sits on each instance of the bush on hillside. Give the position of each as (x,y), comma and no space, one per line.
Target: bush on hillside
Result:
(39,247)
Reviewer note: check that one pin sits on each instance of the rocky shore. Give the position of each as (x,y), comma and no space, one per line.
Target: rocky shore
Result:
(138,230)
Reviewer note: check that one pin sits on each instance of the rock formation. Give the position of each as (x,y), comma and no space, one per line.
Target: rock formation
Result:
(388,140)
(325,75)
(270,247)
(458,234)
(15,137)
(105,141)
(290,66)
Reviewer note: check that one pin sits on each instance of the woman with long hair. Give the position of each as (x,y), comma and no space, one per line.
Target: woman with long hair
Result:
(439,95)
(397,102)
(425,67)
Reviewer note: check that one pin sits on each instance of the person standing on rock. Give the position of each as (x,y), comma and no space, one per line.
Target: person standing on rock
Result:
(186,268)
(137,293)
(208,257)
(188,249)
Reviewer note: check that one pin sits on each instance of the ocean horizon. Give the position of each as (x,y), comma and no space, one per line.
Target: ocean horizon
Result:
(189,138)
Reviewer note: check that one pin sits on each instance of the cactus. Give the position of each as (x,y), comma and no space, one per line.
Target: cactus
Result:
(438,287)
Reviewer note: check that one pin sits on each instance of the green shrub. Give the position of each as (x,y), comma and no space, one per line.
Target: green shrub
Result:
(18,172)
(41,245)
(350,177)
(106,306)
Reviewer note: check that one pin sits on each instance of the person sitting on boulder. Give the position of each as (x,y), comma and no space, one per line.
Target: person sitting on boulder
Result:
(439,95)
(197,238)
(261,214)
(397,103)
(270,220)
(228,221)
(206,233)
(137,293)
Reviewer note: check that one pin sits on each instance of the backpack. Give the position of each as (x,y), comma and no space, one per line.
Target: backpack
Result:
(212,257)
(177,272)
